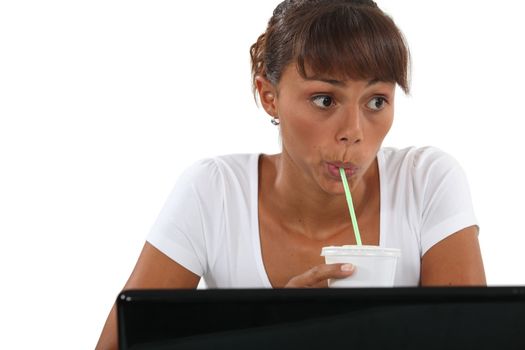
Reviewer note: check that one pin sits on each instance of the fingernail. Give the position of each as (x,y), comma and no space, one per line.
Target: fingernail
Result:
(347,268)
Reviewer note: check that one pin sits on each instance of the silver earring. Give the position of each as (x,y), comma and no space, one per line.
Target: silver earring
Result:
(275,121)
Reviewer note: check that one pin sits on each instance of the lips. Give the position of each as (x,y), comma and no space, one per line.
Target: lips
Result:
(333,169)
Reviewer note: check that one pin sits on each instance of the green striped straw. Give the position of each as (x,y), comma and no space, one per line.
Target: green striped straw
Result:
(350,206)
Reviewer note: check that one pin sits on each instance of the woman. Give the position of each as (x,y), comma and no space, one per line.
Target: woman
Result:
(326,72)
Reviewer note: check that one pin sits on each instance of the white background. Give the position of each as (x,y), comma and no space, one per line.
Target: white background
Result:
(104,103)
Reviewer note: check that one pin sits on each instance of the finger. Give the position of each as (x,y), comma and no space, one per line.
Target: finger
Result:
(318,275)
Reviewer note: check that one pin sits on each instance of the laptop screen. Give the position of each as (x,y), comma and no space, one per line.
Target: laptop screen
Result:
(368,318)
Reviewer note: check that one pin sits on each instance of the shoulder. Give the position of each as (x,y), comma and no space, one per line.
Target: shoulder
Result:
(238,163)
(214,171)
(417,160)
(421,173)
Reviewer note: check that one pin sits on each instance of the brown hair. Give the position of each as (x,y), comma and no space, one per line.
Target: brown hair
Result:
(353,38)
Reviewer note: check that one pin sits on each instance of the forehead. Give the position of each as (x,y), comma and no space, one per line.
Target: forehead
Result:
(292,75)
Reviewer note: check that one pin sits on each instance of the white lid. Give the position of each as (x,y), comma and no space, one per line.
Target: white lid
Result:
(360,250)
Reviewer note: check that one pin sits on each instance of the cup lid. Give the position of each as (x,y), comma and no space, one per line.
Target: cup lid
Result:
(362,250)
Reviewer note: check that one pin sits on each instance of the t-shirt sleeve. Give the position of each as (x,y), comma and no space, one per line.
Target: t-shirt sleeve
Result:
(178,231)
(445,199)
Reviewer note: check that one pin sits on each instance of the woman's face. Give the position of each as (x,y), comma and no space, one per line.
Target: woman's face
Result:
(327,123)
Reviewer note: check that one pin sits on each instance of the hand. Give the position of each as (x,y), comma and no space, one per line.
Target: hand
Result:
(317,276)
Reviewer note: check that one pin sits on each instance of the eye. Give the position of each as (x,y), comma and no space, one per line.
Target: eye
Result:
(323,101)
(377,103)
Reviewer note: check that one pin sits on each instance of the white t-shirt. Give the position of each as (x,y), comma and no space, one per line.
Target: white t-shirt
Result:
(210,222)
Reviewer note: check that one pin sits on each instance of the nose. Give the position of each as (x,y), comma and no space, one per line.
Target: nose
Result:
(349,130)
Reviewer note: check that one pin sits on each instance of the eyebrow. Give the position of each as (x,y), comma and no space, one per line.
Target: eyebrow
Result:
(339,82)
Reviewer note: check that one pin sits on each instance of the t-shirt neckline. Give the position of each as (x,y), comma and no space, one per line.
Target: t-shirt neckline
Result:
(254,176)
(254,169)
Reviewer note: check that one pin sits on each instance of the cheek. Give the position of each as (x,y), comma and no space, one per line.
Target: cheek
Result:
(387,125)
(379,128)
(300,134)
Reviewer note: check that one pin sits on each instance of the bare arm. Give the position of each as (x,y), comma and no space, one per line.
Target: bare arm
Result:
(154,270)
(455,261)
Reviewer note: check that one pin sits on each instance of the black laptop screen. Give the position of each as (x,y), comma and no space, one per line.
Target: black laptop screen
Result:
(409,318)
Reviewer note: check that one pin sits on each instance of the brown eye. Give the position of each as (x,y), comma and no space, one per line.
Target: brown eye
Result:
(323,101)
(376,104)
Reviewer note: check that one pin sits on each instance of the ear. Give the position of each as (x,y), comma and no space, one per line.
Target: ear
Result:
(267,95)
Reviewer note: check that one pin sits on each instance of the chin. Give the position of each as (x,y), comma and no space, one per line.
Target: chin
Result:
(332,187)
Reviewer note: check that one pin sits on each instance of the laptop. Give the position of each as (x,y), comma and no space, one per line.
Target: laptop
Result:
(357,318)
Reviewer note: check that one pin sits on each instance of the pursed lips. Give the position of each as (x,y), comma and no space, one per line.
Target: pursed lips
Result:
(333,168)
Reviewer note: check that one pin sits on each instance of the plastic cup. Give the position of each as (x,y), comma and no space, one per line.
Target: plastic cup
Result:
(374,266)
